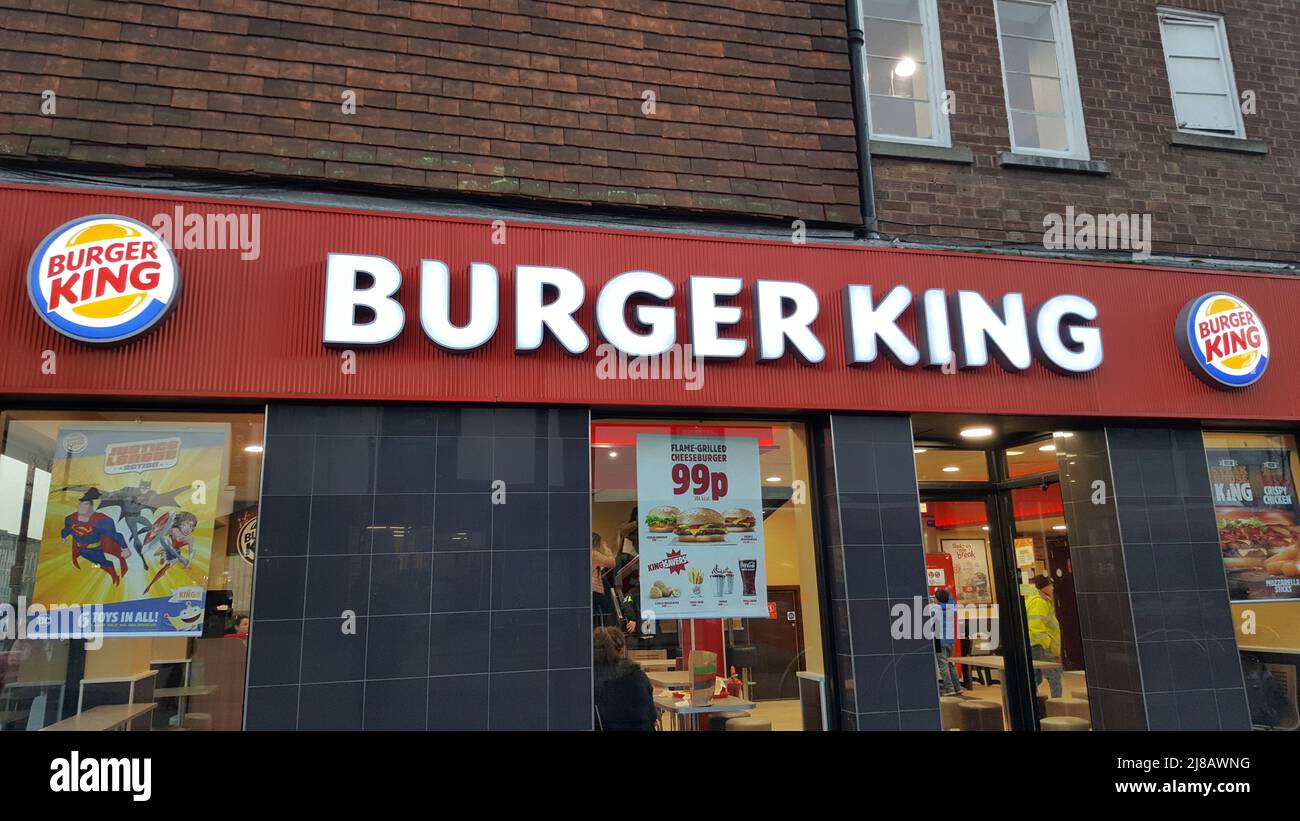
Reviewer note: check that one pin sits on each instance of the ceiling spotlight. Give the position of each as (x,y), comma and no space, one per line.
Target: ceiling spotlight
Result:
(613,454)
(951,469)
(253,449)
(918,450)
(1015,453)
(1059,527)
(985,527)
(976,432)
(774,478)
(1048,448)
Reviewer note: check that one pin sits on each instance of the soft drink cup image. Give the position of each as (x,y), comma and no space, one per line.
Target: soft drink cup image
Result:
(748,569)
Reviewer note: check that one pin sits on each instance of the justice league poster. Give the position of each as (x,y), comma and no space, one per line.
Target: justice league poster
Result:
(129,526)
(701,506)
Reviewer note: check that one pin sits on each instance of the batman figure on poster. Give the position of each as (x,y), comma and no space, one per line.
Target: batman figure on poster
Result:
(131,503)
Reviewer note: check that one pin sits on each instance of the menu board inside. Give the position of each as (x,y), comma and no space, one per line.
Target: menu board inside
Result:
(701,526)
(1254,491)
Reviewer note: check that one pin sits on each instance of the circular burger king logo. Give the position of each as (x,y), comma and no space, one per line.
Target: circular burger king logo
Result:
(103,279)
(1222,340)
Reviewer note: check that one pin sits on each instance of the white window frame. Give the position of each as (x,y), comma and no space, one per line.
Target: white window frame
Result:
(936,88)
(1071,100)
(1225,54)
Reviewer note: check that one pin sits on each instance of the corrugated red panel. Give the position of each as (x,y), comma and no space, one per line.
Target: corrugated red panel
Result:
(253,328)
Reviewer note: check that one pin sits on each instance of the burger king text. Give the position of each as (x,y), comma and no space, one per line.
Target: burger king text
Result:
(961,327)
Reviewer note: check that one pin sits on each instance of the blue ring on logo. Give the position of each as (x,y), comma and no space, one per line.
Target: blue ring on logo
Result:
(1194,350)
(116,333)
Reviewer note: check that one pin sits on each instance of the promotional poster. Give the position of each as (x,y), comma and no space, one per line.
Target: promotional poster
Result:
(129,525)
(1257,516)
(701,528)
(970,566)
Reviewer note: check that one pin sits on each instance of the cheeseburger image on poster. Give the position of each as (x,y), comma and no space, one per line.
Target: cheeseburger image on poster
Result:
(129,525)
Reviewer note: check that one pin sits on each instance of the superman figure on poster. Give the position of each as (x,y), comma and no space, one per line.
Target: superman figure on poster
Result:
(95,537)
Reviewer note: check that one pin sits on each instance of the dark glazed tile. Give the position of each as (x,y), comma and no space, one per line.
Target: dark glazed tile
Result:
(570,578)
(519,640)
(278,588)
(896,468)
(569,465)
(401,583)
(329,654)
(1189,661)
(521,523)
(569,525)
(873,677)
(900,520)
(407,464)
(458,643)
(859,516)
(456,422)
(340,524)
(518,579)
(458,703)
(518,701)
(465,465)
(462,521)
(330,706)
(280,526)
(1174,569)
(399,704)
(871,626)
(291,420)
(403,523)
(1197,710)
(570,700)
(1234,710)
(344,464)
(272,708)
(398,647)
(287,465)
(462,581)
(855,472)
(865,572)
(522,463)
(409,420)
(338,583)
(569,637)
(274,649)
(347,420)
(1157,674)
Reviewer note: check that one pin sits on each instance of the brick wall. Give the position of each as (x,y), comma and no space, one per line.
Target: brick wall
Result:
(544,100)
(533,99)
(1202,202)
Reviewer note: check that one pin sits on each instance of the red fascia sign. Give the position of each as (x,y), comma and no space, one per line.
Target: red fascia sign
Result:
(373,306)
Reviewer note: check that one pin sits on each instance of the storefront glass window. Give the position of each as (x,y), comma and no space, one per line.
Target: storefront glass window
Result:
(704,577)
(936,464)
(1033,458)
(1252,478)
(126,553)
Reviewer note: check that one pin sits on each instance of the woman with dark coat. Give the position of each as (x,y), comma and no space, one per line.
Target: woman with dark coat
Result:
(623,697)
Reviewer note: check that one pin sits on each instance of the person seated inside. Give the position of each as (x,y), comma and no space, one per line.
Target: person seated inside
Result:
(623,698)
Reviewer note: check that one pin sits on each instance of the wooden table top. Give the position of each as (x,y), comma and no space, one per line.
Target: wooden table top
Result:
(193,690)
(103,717)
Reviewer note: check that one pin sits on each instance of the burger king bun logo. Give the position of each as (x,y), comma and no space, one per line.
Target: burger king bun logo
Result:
(103,279)
(1222,340)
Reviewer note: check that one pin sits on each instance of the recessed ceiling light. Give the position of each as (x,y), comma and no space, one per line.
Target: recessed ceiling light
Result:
(1015,453)
(1059,527)
(253,449)
(951,469)
(985,527)
(774,478)
(976,432)
(1048,448)
(613,454)
(918,450)
(1062,434)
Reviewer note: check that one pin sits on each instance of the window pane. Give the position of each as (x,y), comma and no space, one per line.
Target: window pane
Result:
(1042,94)
(1030,56)
(1045,131)
(897,117)
(946,465)
(1191,40)
(893,9)
(1029,19)
(884,79)
(1190,74)
(1205,112)
(889,39)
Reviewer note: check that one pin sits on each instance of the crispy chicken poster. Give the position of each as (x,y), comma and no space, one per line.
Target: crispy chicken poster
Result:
(129,525)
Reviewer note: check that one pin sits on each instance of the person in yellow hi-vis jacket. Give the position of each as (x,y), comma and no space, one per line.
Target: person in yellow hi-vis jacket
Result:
(1044,632)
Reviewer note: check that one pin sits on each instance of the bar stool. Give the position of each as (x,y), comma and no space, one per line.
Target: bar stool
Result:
(978,714)
(949,713)
(1076,707)
(1064,724)
(748,724)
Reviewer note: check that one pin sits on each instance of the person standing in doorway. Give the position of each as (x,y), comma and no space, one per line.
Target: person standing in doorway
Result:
(1044,633)
(944,639)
